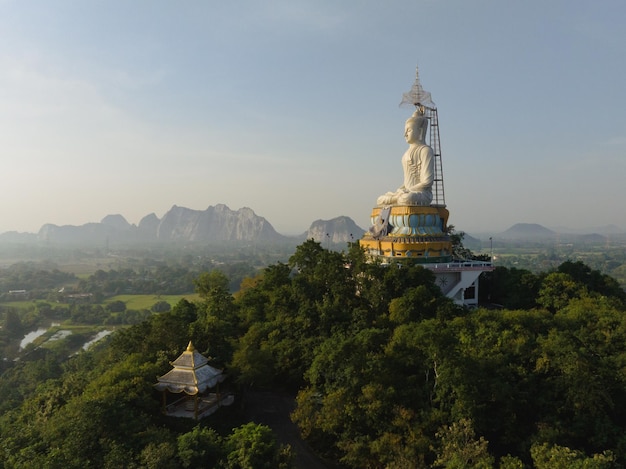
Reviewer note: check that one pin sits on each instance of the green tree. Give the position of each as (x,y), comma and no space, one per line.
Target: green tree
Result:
(253,446)
(420,302)
(307,257)
(593,280)
(154,456)
(511,288)
(215,328)
(209,283)
(12,322)
(160,307)
(252,360)
(459,251)
(459,448)
(348,396)
(578,364)
(117,306)
(201,447)
(557,289)
(546,456)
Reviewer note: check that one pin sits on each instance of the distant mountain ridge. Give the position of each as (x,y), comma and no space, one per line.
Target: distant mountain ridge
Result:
(601,230)
(179,224)
(221,224)
(539,234)
(183,225)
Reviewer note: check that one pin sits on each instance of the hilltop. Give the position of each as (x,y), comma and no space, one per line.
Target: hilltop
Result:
(531,231)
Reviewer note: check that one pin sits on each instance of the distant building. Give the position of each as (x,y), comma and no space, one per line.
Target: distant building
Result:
(21,294)
(78,297)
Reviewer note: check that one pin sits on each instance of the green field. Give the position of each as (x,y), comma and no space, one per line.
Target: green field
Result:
(132,301)
(24,304)
(146,301)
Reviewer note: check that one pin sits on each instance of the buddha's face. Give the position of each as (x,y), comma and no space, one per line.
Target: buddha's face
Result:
(411,132)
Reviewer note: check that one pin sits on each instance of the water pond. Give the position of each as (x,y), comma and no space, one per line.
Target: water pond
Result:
(96,338)
(31,336)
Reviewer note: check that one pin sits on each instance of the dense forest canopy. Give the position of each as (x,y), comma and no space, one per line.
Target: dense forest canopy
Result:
(386,372)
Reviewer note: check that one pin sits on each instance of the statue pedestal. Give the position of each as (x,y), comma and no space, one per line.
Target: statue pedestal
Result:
(409,232)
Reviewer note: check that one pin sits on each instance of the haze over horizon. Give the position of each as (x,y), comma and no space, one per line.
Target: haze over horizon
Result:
(518,227)
(291,108)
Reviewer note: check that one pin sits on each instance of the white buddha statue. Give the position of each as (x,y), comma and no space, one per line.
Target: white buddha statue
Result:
(418,166)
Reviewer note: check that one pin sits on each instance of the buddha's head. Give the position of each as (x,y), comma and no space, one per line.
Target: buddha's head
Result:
(415,128)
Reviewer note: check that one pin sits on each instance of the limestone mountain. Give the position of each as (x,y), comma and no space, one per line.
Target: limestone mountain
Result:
(340,230)
(87,234)
(217,223)
(116,221)
(148,227)
(183,225)
(179,224)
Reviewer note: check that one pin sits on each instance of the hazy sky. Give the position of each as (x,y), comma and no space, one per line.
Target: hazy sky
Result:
(291,108)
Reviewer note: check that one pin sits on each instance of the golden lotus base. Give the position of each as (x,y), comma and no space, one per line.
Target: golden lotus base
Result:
(409,232)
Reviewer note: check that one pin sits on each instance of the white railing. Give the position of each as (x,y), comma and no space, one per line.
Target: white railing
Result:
(461,265)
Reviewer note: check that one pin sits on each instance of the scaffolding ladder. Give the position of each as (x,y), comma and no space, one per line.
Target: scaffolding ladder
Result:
(439,198)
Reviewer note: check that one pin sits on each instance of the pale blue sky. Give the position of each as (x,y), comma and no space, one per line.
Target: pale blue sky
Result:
(291,108)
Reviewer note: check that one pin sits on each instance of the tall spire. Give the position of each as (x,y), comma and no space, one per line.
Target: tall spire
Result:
(417,96)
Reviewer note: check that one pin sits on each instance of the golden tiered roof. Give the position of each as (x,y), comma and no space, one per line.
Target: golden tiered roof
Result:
(191,374)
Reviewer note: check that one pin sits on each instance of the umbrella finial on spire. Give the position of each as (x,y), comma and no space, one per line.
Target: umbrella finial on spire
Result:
(417,96)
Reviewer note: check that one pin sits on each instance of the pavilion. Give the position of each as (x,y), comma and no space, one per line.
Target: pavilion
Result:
(193,377)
